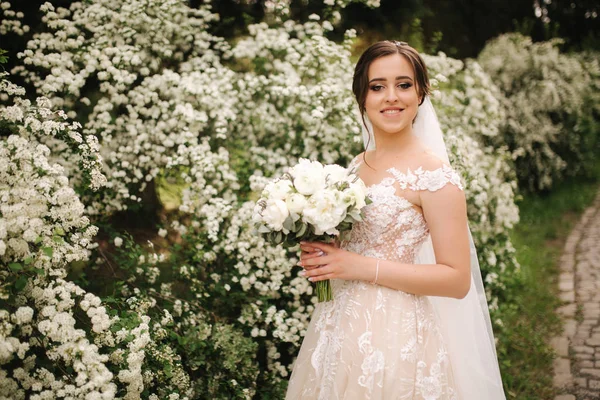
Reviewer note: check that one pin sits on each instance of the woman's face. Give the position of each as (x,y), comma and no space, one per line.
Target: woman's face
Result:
(392,100)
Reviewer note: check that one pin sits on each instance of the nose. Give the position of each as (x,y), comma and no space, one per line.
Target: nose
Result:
(391,96)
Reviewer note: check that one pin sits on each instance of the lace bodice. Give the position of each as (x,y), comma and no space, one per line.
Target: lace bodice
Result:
(392,227)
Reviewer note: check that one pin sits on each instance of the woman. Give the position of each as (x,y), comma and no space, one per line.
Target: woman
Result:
(408,319)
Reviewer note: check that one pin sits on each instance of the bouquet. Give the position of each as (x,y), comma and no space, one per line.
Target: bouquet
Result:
(312,202)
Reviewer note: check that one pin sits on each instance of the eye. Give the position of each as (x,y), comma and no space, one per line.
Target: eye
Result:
(405,85)
(376,88)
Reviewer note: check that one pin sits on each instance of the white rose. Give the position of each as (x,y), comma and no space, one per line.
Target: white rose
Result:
(296,203)
(2,247)
(335,173)
(279,189)
(325,211)
(275,214)
(308,176)
(118,241)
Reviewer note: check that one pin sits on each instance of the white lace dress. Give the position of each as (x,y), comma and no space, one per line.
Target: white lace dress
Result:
(373,342)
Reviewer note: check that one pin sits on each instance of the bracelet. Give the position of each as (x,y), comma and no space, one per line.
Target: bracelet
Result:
(376,272)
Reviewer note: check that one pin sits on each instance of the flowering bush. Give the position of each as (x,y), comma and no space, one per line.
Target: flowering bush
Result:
(42,230)
(552,104)
(153,101)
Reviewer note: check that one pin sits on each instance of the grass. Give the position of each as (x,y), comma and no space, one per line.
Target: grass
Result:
(529,319)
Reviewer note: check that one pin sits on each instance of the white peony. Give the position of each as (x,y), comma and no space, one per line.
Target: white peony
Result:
(357,193)
(335,173)
(325,211)
(296,203)
(279,189)
(275,214)
(309,176)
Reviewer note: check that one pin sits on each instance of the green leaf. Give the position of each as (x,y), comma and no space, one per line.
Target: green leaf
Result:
(288,223)
(48,251)
(3,56)
(20,283)
(263,229)
(168,369)
(302,230)
(28,260)
(15,267)
(278,237)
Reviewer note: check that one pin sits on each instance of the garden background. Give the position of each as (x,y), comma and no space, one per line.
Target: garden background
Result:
(135,137)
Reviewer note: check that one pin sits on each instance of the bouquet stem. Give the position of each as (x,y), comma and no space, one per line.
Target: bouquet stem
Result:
(324,292)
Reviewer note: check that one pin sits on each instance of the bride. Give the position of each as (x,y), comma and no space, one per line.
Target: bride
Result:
(409,318)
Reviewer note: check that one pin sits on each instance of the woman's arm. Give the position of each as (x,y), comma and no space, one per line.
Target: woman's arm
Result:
(445,213)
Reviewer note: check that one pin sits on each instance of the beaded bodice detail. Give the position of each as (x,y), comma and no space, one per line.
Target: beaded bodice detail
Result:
(393,228)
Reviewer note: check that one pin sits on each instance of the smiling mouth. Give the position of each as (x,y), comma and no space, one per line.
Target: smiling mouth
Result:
(392,111)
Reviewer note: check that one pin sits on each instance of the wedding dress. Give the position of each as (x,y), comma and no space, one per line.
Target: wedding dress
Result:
(373,342)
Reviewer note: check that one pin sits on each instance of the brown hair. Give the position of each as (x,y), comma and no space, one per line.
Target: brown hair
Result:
(360,82)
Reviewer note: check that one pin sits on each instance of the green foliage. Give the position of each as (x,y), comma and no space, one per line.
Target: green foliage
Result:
(188,330)
(552,107)
(529,318)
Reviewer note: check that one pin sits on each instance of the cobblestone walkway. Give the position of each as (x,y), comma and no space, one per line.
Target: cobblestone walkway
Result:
(577,368)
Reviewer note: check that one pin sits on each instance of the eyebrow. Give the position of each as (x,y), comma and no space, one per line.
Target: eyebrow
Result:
(397,78)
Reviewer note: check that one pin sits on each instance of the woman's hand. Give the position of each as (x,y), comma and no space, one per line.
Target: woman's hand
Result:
(323,261)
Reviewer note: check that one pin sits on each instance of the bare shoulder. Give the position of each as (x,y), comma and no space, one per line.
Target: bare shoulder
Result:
(429,161)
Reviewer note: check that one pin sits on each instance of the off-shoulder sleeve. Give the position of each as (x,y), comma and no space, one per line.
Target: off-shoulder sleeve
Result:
(432,180)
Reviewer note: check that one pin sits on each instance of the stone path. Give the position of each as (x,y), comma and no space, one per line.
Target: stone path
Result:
(577,367)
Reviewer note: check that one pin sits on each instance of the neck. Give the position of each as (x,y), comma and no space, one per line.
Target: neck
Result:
(389,144)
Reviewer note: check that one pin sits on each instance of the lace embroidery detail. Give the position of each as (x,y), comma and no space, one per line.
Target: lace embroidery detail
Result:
(373,362)
(422,179)
(434,386)
(394,228)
